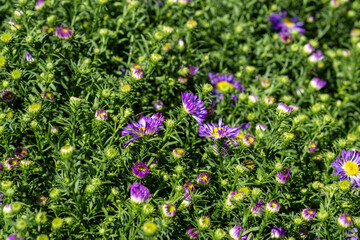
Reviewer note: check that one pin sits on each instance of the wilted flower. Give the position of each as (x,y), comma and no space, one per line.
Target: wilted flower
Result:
(249,164)
(194,106)
(140,170)
(345,220)
(20,152)
(187,200)
(64,32)
(282,23)
(277,233)
(189,187)
(308,214)
(283,176)
(139,193)
(11,163)
(7,96)
(203,179)
(169,210)
(317,83)
(192,233)
(146,126)
(257,209)
(316,57)
(272,207)
(348,167)
(101,114)
(235,233)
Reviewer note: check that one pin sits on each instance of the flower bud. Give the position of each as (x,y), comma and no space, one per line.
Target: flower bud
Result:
(219,234)
(16,207)
(298,221)
(345,185)
(155,58)
(351,138)
(288,137)
(21,225)
(67,151)
(148,209)
(16,74)
(41,218)
(149,228)
(10,192)
(191,24)
(204,222)
(158,36)
(42,237)
(6,184)
(57,224)
(55,194)
(111,153)
(256,193)
(178,153)
(250,70)
(322,215)
(342,143)
(179,169)
(170,123)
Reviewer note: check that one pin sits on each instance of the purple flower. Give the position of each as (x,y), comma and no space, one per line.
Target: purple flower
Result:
(191,72)
(194,106)
(272,207)
(285,37)
(277,233)
(235,233)
(218,131)
(308,214)
(41,199)
(248,140)
(353,234)
(189,187)
(257,209)
(283,176)
(146,126)
(14,237)
(261,127)
(139,193)
(47,95)
(317,83)
(308,49)
(249,164)
(29,58)
(137,74)
(282,23)
(187,200)
(316,57)
(158,105)
(224,84)
(169,210)
(269,100)
(101,114)
(345,220)
(140,170)
(348,167)
(284,109)
(178,153)
(39,4)
(11,163)
(64,32)
(7,96)
(192,233)
(245,125)
(312,147)
(20,152)
(203,179)
(1,196)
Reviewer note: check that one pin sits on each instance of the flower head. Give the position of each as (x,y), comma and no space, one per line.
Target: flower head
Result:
(29,58)
(269,100)
(277,233)
(7,209)
(355,32)
(194,106)
(20,152)
(203,179)
(345,220)
(257,209)
(101,114)
(316,57)
(7,96)
(14,237)
(192,233)
(317,83)
(159,105)
(47,95)
(225,84)
(272,207)
(137,74)
(218,131)
(308,214)
(189,187)
(282,23)
(188,71)
(283,176)
(286,37)
(235,233)
(11,163)
(348,166)
(169,210)
(64,32)
(312,147)
(178,153)
(204,222)
(54,130)
(39,4)
(308,49)
(187,200)
(146,126)
(41,199)
(139,193)
(140,170)
(248,140)
(249,164)
(284,109)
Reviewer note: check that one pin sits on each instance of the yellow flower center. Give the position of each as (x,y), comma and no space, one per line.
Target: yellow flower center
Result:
(224,86)
(312,145)
(310,212)
(142,130)
(190,187)
(216,130)
(65,30)
(141,168)
(288,22)
(241,135)
(245,190)
(351,168)
(348,218)
(250,139)
(204,178)
(171,208)
(273,205)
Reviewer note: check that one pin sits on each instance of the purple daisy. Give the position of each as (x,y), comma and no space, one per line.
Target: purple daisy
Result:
(14,237)
(64,32)
(169,210)
(277,233)
(101,114)
(308,214)
(39,4)
(218,131)
(20,152)
(41,200)
(140,170)
(203,179)
(353,234)
(282,23)
(248,140)
(189,187)
(312,147)
(190,72)
(236,231)
(272,207)
(29,58)
(345,220)
(348,166)
(47,95)
(146,126)
(257,209)
(11,163)
(284,109)
(192,233)
(316,57)
(7,96)
(137,74)
(308,49)
(283,176)
(224,84)
(187,200)
(139,193)
(194,106)
(285,37)
(317,83)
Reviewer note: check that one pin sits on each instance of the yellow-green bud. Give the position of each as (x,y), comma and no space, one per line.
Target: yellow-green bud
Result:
(55,194)
(16,74)
(42,237)
(150,228)
(41,218)
(158,36)
(351,137)
(345,185)
(191,24)
(21,225)
(256,193)
(148,209)
(155,58)
(219,234)
(298,221)
(57,223)
(111,153)
(35,108)
(6,184)
(67,151)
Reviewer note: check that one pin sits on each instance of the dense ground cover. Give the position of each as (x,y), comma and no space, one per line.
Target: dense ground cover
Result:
(179,119)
